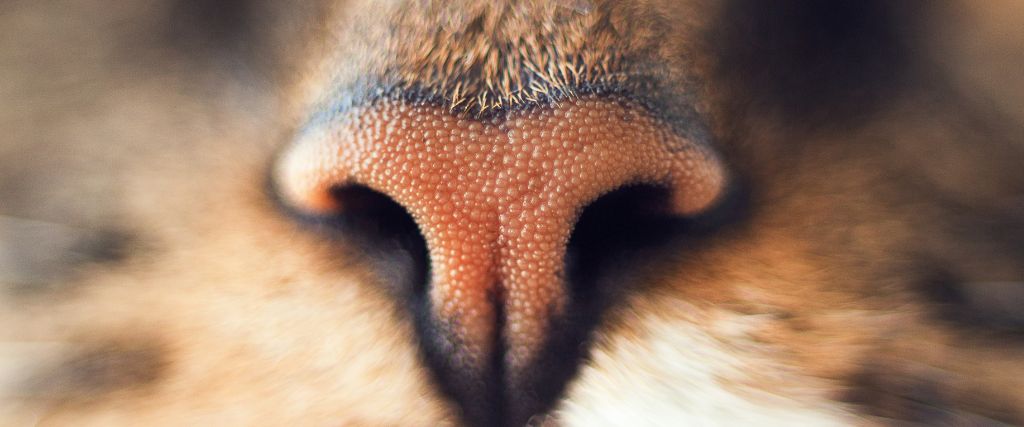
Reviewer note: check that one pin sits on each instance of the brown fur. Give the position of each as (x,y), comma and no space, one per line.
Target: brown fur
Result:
(506,55)
(860,283)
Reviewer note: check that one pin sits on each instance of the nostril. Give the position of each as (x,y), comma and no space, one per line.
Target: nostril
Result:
(639,217)
(368,210)
(382,231)
(628,219)
(621,213)
(623,231)
(611,234)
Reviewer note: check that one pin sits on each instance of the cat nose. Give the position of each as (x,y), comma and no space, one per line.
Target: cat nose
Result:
(496,200)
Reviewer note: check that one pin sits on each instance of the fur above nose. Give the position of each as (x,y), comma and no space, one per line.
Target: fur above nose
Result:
(496,201)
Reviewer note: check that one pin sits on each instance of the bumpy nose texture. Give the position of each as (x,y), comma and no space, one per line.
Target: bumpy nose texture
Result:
(497,200)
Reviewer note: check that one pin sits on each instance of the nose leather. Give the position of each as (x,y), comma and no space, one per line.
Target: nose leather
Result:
(496,200)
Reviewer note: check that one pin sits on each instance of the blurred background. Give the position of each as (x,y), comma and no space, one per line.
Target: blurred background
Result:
(97,95)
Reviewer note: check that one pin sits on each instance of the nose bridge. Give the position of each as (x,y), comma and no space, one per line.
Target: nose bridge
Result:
(496,201)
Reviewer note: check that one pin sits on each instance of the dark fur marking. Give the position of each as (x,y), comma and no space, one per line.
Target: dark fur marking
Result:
(815,62)
(102,369)
(921,397)
(211,25)
(991,307)
(46,256)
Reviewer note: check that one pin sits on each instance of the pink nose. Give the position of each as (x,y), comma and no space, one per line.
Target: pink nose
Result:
(496,200)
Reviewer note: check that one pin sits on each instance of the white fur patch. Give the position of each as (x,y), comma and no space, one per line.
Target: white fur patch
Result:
(666,370)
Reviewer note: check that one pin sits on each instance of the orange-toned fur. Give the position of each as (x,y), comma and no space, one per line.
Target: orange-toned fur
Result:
(870,278)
